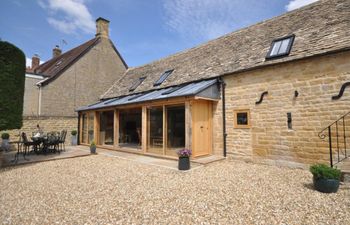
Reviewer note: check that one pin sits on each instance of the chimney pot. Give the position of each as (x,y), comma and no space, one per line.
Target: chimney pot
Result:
(56,51)
(102,27)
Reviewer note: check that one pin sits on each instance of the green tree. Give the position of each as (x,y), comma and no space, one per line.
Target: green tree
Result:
(12,78)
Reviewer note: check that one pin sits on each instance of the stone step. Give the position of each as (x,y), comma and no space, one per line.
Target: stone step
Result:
(345,177)
(344,166)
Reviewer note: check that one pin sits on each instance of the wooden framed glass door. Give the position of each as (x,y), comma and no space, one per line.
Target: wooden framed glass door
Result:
(84,125)
(175,129)
(155,130)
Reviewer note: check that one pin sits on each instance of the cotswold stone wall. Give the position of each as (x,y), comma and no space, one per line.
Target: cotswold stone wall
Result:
(269,140)
(31,97)
(47,124)
(84,82)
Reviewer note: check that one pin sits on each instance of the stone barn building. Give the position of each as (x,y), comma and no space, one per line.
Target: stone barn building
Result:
(264,93)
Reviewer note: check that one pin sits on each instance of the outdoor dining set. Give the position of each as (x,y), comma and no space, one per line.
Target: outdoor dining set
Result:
(40,143)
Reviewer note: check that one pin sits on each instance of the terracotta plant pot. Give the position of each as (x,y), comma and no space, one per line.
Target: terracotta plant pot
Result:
(184,163)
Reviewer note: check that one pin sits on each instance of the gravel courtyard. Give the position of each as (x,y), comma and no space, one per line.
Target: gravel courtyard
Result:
(106,190)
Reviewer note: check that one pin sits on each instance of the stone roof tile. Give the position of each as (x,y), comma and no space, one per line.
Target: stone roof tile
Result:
(319,28)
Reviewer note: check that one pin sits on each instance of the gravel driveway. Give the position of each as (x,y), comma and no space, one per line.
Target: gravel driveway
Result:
(105,190)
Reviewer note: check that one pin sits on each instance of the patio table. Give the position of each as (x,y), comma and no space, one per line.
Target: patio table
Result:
(41,144)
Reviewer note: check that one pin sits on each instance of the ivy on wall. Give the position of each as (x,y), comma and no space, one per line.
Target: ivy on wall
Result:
(12,78)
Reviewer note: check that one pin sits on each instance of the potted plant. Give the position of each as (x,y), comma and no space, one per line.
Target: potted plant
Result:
(74,137)
(184,159)
(5,141)
(325,178)
(93,147)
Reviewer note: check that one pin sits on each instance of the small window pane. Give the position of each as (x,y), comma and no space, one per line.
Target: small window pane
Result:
(163,77)
(284,46)
(276,48)
(281,47)
(242,118)
(137,83)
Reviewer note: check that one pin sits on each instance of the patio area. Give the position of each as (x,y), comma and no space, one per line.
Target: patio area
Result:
(70,152)
(100,189)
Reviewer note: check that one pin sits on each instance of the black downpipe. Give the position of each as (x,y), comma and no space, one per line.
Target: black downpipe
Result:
(78,133)
(223,85)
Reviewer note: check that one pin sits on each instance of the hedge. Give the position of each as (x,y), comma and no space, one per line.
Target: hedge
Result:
(12,78)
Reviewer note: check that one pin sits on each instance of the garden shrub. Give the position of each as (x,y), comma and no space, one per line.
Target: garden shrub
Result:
(322,171)
(12,78)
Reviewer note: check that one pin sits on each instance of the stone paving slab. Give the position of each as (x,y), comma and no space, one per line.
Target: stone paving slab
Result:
(145,159)
(34,158)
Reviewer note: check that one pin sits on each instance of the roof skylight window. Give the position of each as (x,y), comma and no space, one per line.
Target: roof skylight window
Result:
(172,90)
(281,47)
(137,83)
(135,97)
(163,77)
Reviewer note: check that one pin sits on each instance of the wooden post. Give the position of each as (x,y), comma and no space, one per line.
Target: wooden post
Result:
(188,125)
(116,128)
(164,130)
(144,129)
(96,127)
(80,138)
(210,126)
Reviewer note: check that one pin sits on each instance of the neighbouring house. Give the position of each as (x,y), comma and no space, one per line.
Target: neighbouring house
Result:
(262,93)
(54,89)
(31,90)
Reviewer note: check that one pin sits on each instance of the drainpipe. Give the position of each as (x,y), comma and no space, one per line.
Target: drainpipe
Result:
(223,85)
(39,103)
(78,133)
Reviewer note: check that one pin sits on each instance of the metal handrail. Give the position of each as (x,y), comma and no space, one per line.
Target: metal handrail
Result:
(323,134)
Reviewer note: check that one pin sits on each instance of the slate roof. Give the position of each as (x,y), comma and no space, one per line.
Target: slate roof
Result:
(56,66)
(191,89)
(319,28)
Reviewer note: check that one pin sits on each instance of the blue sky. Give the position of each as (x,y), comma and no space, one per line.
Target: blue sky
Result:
(142,30)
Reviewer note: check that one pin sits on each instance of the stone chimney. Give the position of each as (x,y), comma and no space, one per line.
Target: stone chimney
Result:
(35,61)
(102,28)
(56,51)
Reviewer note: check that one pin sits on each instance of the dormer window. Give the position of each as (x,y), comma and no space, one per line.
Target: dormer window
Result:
(137,83)
(163,77)
(281,47)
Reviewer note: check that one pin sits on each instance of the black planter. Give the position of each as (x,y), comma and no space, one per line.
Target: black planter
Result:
(184,163)
(93,149)
(326,185)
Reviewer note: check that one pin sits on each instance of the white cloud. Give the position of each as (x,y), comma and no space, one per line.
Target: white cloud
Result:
(294,4)
(29,62)
(207,19)
(69,16)
(199,18)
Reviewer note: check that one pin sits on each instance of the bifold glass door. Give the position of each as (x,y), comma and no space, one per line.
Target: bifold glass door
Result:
(87,127)
(175,125)
(106,128)
(84,129)
(170,119)
(130,128)
(155,130)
